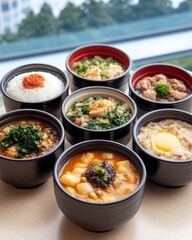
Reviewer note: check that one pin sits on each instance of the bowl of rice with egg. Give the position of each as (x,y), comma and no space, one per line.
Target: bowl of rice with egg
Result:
(163,139)
(36,86)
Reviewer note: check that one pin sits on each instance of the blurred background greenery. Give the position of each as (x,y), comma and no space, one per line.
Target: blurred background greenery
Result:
(96,21)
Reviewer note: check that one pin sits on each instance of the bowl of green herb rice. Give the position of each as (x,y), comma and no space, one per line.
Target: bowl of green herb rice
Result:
(158,86)
(30,142)
(98,65)
(98,113)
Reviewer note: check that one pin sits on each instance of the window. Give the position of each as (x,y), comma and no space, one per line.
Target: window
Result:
(15,4)
(185,62)
(149,31)
(5,7)
(182,59)
(6,20)
(26,10)
(92,21)
(7,30)
(6,17)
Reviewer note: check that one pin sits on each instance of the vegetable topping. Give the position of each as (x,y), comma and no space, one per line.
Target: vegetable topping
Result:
(97,113)
(98,68)
(162,90)
(26,139)
(100,175)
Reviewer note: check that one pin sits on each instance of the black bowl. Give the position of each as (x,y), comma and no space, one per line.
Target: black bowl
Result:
(170,173)
(146,105)
(34,171)
(52,105)
(75,133)
(99,216)
(77,82)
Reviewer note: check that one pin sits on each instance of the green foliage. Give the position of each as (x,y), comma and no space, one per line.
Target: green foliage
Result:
(96,14)
(8,37)
(92,14)
(27,27)
(44,23)
(121,10)
(185,62)
(70,18)
(146,8)
(185,6)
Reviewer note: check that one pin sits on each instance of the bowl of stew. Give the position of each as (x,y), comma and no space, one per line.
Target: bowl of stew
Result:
(98,65)
(163,139)
(30,143)
(98,113)
(158,86)
(35,86)
(99,184)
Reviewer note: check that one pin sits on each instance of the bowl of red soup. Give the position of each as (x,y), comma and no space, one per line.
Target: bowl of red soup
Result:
(99,184)
(30,143)
(98,65)
(158,86)
(98,113)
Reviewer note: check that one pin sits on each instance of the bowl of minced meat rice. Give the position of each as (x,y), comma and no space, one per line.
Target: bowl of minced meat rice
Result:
(36,86)
(159,86)
(98,65)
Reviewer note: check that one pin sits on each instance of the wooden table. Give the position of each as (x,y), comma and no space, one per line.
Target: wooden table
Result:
(32,214)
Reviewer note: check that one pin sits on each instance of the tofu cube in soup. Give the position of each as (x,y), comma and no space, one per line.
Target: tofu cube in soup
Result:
(99,176)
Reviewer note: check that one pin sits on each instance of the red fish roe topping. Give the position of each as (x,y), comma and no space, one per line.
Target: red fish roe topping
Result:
(33,81)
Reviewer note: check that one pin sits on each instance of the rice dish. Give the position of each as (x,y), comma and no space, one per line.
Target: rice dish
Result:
(34,87)
(98,68)
(162,88)
(169,139)
(98,113)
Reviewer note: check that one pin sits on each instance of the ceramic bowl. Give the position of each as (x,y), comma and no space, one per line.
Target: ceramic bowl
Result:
(146,105)
(52,105)
(99,217)
(77,82)
(33,171)
(75,133)
(166,172)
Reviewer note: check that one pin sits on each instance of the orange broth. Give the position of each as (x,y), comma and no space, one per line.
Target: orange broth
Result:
(48,140)
(75,183)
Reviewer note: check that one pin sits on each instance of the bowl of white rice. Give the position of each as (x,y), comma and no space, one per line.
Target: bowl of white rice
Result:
(36,86)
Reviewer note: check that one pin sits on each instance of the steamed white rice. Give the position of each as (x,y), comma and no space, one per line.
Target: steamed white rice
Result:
(53,86)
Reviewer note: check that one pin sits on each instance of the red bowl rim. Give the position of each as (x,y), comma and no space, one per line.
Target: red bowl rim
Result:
(179,73)
(70,59)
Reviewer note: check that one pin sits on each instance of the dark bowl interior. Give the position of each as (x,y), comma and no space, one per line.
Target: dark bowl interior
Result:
(75,133)
(92,216)
(170,173)
(120,82)
(145,105)
(34,171)
(52,106)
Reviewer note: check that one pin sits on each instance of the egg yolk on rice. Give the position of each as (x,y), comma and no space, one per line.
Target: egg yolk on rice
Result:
(166,141)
